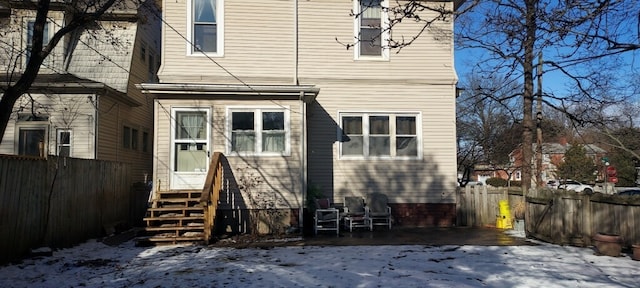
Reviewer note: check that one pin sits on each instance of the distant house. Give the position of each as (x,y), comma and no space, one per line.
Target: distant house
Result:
(552,156)
(83,103)
(293,108)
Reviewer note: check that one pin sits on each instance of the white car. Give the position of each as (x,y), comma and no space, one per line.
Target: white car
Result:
(575,186)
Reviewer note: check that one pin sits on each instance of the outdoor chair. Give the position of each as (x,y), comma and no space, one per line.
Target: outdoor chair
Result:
(379,210)
(326,218)
(355,213)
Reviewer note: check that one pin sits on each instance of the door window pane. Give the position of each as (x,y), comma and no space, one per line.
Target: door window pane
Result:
(191,125)
(190,157)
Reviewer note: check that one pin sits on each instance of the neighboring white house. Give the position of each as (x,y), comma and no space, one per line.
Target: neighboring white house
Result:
(269,84)
(83,103)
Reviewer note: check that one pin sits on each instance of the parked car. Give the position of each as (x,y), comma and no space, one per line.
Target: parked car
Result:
(575,186)
(553,184)
(630,192)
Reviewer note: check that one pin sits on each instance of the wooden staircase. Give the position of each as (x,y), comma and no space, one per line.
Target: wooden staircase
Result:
(185,216)
(174,217)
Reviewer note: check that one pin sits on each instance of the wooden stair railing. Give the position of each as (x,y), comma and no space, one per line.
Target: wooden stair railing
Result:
(185,216)
(211,194)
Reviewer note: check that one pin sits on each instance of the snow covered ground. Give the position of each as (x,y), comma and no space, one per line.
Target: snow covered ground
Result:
(94,264)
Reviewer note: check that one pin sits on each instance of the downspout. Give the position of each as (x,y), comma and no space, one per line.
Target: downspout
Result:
(303,135)
(303,159)
(96,119)
(295,43)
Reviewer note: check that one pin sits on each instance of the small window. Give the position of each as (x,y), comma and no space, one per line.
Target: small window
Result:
(259,131)
(143,52)
(134,139)
(145,142)
(45,37)
(126,137)
(206,27)
(64,142)
(371,29)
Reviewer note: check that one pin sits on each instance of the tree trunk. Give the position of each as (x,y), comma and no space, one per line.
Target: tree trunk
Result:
(527,121)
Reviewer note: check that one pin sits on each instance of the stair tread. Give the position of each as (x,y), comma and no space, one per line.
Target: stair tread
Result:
(161,218)
(174,228)
(192,208)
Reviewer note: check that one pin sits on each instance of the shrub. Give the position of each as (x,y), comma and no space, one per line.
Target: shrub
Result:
(497,182)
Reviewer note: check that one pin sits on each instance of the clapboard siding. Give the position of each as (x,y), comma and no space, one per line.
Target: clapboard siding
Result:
(258,43)
(280,174)
(430,180)
(260,48)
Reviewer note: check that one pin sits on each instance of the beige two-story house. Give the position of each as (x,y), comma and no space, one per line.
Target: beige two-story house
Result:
(84,103)
(272,85)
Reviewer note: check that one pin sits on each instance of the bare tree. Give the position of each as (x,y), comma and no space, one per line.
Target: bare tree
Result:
(580,40)
(79,15)
(486,120)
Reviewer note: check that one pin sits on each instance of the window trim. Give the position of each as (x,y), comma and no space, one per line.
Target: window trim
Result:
(384,42)
(58,145)
(257,110)
(25,34)
(392,134)
(219,26)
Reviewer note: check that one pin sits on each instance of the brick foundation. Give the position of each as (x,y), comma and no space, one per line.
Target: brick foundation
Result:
(423,214)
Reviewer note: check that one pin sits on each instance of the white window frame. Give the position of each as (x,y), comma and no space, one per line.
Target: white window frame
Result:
(258,129)
(25,34)
(31,125)
(58,141)
(219,30)
(392,134)
(384,41)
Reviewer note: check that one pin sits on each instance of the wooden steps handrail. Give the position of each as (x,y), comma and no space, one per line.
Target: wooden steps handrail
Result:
(211,194)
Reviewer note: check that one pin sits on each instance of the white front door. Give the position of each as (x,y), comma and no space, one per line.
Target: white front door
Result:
(190,149)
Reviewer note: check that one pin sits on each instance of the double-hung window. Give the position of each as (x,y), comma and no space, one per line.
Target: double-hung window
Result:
(380,135)
(45,38)
(63,140)
(260,131)
(206,28)
(370,32)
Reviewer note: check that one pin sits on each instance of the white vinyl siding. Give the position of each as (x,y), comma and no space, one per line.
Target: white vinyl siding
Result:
(380,136)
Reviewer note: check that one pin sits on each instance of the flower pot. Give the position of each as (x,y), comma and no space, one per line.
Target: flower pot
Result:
(636,252)
(608,244)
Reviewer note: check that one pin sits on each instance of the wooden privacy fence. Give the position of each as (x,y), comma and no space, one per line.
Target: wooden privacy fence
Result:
(556,216)
(59,202)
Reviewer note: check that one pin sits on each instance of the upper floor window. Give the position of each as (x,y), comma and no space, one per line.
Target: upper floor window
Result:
(259,131)
(206,27)
(377,135)
(370,34)
(45,38)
